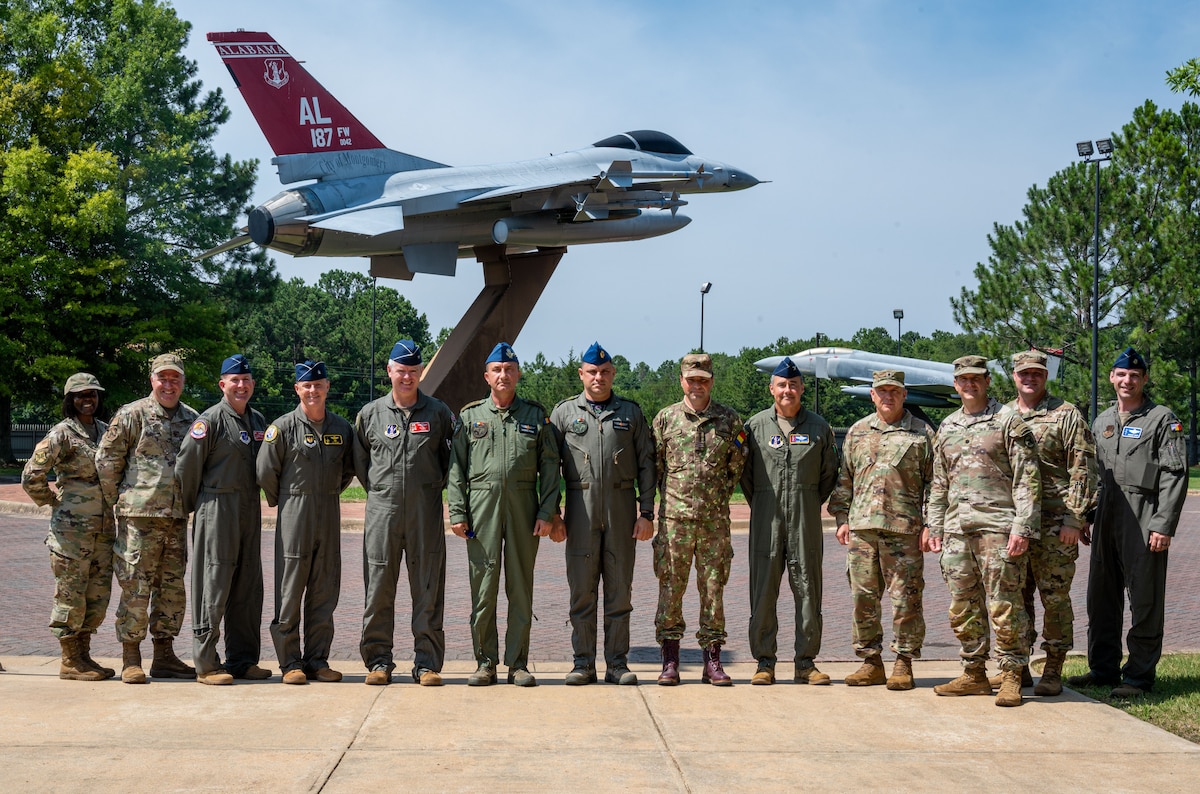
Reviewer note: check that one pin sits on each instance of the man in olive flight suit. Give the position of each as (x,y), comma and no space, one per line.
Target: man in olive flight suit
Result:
(606,450)
(1143,484)
(502,491)
(402,445)
(306,461)
(216,478)
(791,470)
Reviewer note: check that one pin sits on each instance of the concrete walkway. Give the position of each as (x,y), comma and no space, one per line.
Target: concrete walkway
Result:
(265,736)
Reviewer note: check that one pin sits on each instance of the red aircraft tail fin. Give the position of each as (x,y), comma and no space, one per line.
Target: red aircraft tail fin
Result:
(297,115)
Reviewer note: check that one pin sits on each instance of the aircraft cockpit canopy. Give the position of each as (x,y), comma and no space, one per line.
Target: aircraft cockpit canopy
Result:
(644,141)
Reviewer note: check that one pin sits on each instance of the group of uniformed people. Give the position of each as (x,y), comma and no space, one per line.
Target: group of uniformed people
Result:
(1004,493)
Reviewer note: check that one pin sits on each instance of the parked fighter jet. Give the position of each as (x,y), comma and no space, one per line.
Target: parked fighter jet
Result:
(413,215)
(930,383)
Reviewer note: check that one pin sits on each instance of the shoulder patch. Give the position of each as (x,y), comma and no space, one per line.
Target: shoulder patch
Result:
(271,434)
(199,429)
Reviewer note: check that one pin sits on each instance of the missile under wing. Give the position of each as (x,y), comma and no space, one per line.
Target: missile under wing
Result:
(415,215)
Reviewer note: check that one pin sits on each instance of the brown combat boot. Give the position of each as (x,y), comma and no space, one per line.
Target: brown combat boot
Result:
(1010,688)
(131,663)
(1051,681)
(85,653)
(973,681)
(1026,678)
(902,674)
(73,668)
(670,663)
(166,664)
(713,672)
(871,673)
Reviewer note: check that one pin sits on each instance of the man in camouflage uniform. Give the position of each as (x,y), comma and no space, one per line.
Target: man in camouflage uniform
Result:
(502,490)
(217,480)
(606,450)
(700,452)
(305,463)
(879,506)
(81,530)
(136,466)
(984,509)
(1143,484)
(791,469)
(402,445)
(1067,459)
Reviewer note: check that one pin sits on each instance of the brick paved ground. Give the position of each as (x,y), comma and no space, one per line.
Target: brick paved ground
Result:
(26,587)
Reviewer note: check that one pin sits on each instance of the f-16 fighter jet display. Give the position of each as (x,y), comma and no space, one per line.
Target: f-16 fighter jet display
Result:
(413,215)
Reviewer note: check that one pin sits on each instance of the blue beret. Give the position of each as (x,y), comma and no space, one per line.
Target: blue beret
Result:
(1130,359)
(310,370)
(406,352)
(596,355)
(787,369)
(235,365)
(502,353)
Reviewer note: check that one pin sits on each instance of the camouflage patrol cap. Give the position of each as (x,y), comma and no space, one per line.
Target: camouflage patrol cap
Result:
(81,381)
(696,365)
(1029,359)
(887,377)
(970,365)
(166,361)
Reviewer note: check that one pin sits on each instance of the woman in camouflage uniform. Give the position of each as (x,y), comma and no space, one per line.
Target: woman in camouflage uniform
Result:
(81,530)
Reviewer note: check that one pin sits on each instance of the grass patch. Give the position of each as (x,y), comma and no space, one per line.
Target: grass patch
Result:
(1194,478)
(1174,705)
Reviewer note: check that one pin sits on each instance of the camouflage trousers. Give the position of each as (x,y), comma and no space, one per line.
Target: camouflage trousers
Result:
(676,544)
(1050,571)
(985,586)
(81,558)
(875,561)
(150,557)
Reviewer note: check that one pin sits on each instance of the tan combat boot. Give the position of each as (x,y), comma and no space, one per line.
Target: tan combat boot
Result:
(1010,688)
(166,664)
(1051,680)
(85,653)
(131,663)
(902,675)
(871,673)
(73,668)
(973,681)
(998,679)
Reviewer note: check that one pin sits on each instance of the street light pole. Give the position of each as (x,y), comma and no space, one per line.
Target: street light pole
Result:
(704,288)
(899,315)
(1084,148)
(371,366)
(817,385)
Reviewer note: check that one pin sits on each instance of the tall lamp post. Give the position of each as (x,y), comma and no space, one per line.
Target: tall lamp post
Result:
(899,315)
(817,384)
(704,288)
(1104,148)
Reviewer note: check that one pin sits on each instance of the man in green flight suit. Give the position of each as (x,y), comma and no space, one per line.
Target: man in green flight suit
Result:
(306,461)
(607,451)
(1143,484)
(217,480)
(502,491)
(791,470)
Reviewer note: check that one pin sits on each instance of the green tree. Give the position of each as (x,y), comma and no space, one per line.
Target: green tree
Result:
(108,185)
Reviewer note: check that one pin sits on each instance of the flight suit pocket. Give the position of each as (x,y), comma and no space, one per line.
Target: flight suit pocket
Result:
(1142,474)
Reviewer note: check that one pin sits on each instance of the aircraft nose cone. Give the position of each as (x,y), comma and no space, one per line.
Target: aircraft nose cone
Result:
(740,180)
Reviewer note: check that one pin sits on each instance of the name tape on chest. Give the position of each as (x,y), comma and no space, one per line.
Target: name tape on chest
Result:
(621,424)
(527,430)
(1131,432)
(799,438)
(333,440)
(418,427)
(259,435)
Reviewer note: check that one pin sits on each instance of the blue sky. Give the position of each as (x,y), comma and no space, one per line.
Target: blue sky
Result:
(895,136)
